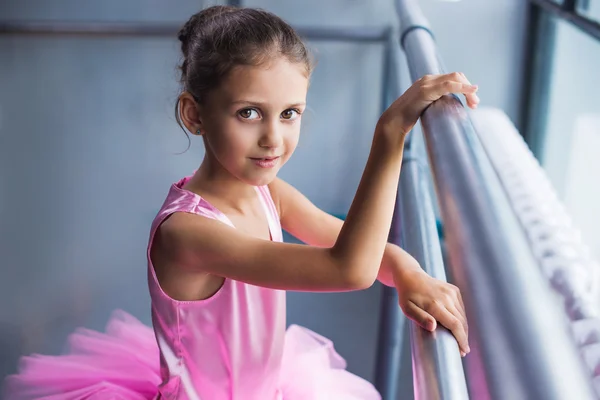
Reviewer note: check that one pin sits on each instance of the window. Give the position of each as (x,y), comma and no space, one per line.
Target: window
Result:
(568,143)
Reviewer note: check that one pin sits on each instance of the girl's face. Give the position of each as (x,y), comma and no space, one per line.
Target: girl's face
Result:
(251,123)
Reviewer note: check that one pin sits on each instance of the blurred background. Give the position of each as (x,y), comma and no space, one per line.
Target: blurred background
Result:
(89,147)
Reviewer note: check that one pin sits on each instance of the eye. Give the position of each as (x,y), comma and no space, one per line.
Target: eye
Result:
(290,114)
(248,113)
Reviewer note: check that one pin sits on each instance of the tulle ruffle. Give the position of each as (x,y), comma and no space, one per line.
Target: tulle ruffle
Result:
(123,364)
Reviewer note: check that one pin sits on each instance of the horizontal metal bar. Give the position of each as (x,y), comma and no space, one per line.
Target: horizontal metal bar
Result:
(362,34)
(519,349)
(437,368)
(586,25)
(154,29)
(62,28)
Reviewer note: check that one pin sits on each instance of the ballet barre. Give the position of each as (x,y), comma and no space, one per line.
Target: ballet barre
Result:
(519,349)
(437,367)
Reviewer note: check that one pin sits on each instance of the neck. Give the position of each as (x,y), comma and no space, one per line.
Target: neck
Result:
(217,185)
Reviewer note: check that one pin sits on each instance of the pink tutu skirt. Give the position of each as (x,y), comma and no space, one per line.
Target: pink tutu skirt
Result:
(123,364)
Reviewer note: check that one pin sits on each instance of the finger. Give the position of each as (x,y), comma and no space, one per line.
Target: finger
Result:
(421,317)
(463,310)
(461,302)
(472,98)
(452,323)
(457,312)
(443,87)
(455,300)
(470,92)
(453,303)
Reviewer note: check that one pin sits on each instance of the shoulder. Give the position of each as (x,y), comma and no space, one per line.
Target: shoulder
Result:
(284,195)
(278,188)
(288,199)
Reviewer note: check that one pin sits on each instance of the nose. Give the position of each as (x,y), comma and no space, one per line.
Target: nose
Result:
(271,135)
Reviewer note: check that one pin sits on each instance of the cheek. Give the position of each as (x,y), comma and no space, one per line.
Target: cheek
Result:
(291,140)
(231,140)
(294,136)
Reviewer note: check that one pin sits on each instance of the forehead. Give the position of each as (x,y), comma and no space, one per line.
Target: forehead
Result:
(278,82)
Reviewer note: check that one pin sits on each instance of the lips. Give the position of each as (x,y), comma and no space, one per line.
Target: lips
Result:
(265,162)
(264,158)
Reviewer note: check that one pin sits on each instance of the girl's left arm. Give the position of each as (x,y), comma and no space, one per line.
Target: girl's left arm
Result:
(422,298)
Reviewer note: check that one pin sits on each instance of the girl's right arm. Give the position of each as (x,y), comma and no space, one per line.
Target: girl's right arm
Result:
(206,245)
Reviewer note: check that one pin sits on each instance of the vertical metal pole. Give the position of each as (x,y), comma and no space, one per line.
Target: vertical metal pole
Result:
(391,320)
(391,330)
(538,73)
(437,369)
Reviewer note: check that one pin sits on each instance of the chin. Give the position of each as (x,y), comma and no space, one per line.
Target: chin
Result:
(262,179)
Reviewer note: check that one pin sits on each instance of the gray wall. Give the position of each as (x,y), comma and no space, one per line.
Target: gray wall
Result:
(88,148)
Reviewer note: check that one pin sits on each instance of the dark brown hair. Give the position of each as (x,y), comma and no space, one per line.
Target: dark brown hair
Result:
(219,38)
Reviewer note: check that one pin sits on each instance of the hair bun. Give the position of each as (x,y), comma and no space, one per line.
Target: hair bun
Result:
(199,21)
(186,31)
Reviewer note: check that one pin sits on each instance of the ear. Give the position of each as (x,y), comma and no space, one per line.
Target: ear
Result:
(189,113)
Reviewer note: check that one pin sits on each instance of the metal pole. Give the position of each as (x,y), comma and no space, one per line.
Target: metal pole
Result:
(392,81)
(61,28)
(362,34)
(437,368)
(520,350)
(392,320)
(539,66)
(389,344)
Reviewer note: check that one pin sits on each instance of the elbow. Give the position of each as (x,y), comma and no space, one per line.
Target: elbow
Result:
(354,274)
(359,278)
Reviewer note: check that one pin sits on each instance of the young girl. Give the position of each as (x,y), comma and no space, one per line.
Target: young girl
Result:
(217,267)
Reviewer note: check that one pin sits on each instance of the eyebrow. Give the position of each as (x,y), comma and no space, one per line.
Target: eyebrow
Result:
(262,104)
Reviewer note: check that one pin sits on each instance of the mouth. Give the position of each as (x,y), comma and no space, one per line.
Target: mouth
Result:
(265,162)
(264,158)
